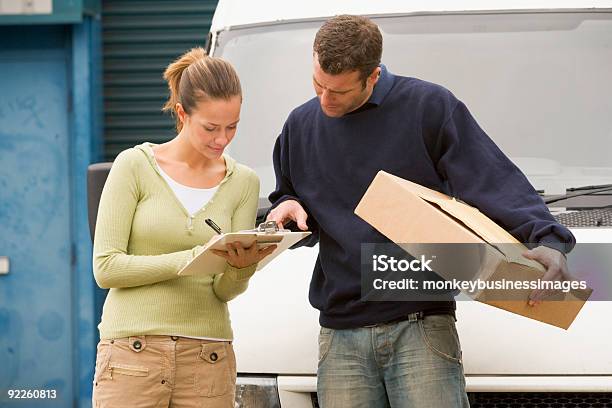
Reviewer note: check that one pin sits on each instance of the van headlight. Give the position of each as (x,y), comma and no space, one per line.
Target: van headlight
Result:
(257,392)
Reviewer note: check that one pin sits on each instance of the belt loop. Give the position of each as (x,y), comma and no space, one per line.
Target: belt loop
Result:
(413,317)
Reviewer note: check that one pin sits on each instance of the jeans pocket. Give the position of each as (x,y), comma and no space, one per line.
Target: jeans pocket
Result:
(103,355)
(326,336)
(124,361)
(440,336)
(213,371)
(126,377)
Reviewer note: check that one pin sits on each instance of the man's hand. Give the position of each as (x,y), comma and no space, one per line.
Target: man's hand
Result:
(289,210)
(556,270)
(240,257)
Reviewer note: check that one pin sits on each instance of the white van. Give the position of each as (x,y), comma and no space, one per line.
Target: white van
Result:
(548,63)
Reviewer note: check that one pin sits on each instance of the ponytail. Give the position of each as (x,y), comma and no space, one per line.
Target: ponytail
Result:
(194,77)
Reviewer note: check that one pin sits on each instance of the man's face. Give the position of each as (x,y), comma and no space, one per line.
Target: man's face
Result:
(342,93)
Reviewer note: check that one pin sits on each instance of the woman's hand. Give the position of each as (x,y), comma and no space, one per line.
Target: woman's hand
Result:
(240,257)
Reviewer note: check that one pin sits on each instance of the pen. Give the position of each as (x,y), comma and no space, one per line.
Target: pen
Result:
(213,225)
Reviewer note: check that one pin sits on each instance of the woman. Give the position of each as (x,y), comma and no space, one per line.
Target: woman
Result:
(165,339)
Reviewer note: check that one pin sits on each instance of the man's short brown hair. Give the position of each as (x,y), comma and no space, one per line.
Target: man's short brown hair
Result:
(348,43)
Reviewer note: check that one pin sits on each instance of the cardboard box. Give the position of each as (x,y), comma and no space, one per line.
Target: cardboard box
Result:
(416,217)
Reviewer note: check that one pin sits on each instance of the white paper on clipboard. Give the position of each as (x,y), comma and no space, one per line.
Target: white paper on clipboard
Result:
(265,235)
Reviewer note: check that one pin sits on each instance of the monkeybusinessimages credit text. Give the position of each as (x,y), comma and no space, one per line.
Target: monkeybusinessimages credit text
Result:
(384,263)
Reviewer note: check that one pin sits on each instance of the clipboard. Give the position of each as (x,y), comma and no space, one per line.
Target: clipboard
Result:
(265,234)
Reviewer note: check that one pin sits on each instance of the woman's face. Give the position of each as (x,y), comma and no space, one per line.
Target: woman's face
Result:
(211,126)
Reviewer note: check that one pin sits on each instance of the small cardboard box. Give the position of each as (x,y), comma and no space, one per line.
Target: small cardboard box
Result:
(415,217)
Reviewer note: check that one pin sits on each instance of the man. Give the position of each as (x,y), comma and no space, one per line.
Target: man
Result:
(365,119)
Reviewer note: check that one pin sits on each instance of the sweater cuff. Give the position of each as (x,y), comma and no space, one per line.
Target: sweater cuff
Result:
(240,274)
(197,250)
(281,200)
(553,241)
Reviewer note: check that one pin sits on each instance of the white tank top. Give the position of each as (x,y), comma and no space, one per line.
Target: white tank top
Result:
(193,199)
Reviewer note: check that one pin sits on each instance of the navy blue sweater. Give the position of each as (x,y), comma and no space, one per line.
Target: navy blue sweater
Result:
(415,130)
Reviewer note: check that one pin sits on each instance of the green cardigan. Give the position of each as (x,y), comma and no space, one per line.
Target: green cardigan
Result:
(144,236)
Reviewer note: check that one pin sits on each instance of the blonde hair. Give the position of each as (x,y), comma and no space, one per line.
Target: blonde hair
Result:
(194,77)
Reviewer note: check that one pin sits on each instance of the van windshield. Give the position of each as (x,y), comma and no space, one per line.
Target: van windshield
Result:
(538,83)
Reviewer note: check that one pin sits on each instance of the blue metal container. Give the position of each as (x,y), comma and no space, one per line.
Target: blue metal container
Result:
(49,132)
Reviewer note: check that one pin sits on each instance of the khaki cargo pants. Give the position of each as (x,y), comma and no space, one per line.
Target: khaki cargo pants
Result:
(164,371)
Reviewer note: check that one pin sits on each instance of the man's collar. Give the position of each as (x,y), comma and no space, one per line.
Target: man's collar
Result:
(382,87)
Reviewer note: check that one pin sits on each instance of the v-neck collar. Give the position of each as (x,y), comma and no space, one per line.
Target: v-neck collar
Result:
(230,164)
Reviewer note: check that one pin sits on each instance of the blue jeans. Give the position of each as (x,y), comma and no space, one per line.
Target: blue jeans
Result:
(415,363)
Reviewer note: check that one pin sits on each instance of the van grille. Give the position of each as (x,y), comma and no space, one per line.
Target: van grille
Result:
(586,218)
(540,400)
(531,400)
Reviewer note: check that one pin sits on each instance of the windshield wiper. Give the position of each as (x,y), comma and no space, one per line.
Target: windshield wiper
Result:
(588,187)
(581,191)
